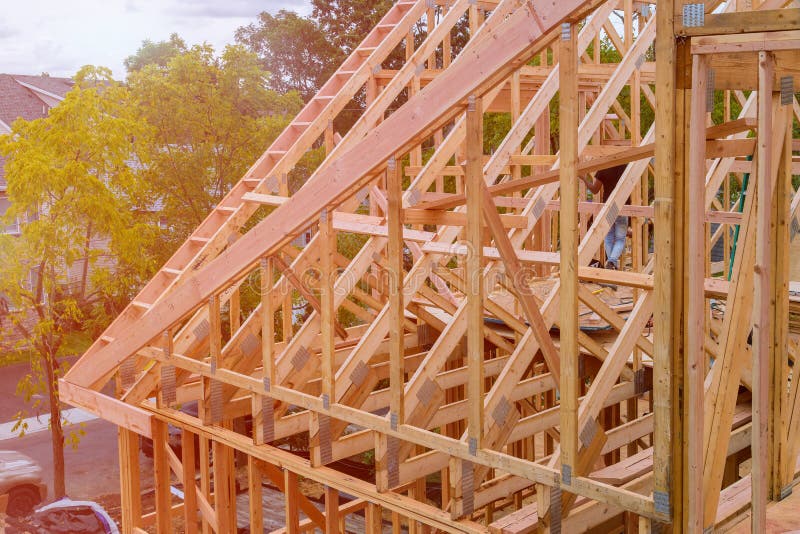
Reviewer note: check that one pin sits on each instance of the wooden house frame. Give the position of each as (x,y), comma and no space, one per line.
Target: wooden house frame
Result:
(456,373)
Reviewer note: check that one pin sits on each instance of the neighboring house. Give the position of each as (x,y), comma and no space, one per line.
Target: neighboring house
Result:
(29,97)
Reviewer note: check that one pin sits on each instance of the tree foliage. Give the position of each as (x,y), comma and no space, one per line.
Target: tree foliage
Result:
(347,22)
(294,49)
(303,52)
(111,182)
(159,53)
(209,118)
(70,175)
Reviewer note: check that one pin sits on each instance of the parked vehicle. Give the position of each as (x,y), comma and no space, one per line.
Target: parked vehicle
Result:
(21,479)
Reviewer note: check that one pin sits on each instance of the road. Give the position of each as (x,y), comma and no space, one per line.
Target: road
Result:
(92,469)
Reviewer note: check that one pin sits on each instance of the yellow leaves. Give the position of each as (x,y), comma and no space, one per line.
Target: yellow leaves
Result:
(73,174)
(91,76)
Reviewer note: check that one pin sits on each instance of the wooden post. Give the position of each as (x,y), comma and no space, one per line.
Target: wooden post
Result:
(286,306)
(541,235)
(261,433)
(761,303)
(782,464)
(677,321)
(205,477)
(474,273)
(267,321)
(254,489)
(667,455)
(215,354)
(328,314)
(394,193)
(331,510)
(130,485)
(188,457)
(568,223)
(382,476)
(290,501)
(373,520)
(329,143)
(726,236)
(638,197)
(695,293)
(447,50)
(215,334)
(161,477)
(475,19)
(516,108)
(235,310)
(431,22)
(319,424)
(396,525)
(224,488)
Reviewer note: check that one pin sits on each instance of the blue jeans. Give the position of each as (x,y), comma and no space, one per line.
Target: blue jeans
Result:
(615,240)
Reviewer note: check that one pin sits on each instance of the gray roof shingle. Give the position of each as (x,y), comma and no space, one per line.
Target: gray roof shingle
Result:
(57,86)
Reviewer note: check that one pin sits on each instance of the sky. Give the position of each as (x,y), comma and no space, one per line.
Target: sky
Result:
(59,37)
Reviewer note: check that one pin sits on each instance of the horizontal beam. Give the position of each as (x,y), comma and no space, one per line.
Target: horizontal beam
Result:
(280,458)
(771,20)
(746,42)
(639,504)
(105,407)
(715,148)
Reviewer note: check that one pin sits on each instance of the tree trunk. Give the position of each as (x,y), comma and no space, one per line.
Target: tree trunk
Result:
(85,268)
(56,430)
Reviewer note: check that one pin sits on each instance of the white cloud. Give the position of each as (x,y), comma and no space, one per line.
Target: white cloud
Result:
(229,9)
(7,32)
(59,37)
(131,6)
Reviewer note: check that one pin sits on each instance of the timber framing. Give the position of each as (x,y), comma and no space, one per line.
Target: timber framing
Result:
(488,376)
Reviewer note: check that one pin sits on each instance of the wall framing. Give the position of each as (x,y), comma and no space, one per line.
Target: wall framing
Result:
(468,368)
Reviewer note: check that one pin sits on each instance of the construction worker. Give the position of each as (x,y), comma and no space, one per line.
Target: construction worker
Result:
(617,234)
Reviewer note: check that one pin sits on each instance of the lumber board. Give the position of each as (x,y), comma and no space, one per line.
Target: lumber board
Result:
(432,106)
(770,20)
(121,414)
(719,147)
(569,236)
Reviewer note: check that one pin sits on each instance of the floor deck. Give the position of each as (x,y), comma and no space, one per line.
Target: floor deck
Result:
(782,517)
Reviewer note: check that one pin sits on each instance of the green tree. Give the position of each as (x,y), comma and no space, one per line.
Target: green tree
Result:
(294,49)
(303,52)
(71,176)
(347,22)
(210,117)
(159,53)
